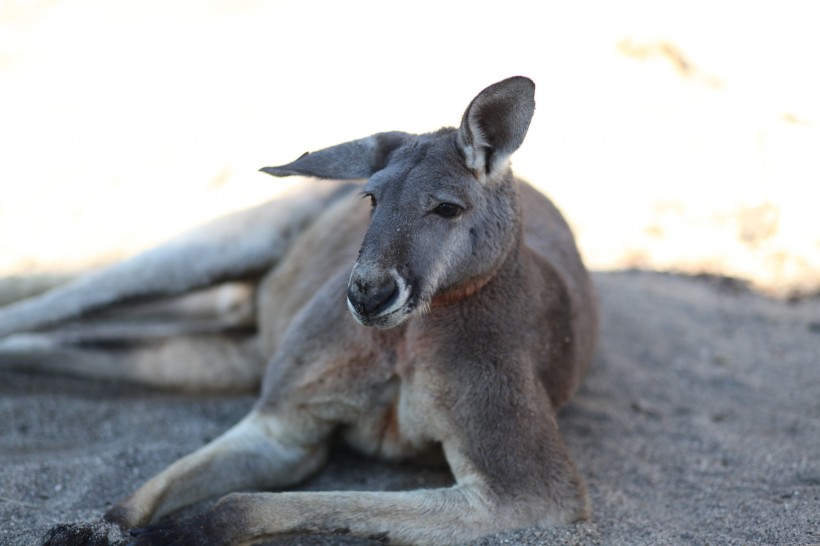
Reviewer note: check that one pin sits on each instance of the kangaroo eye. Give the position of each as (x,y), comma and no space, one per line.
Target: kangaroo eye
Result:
(372,200)
(448,210)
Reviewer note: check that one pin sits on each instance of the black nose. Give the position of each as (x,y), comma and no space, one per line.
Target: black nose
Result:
(372,298)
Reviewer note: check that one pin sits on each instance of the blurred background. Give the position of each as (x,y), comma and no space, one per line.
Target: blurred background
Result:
(680,136)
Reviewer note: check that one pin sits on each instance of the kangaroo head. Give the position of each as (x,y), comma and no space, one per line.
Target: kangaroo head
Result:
(444,204)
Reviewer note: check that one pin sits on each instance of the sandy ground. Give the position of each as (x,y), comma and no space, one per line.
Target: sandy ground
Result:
(698,424)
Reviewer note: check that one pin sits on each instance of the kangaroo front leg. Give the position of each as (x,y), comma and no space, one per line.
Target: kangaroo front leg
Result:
(430,517)
(259,452)
(473,508)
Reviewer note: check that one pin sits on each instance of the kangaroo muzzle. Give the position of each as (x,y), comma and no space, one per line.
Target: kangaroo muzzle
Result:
(377,298)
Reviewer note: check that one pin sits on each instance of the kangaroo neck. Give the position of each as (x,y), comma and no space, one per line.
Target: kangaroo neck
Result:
(509,264)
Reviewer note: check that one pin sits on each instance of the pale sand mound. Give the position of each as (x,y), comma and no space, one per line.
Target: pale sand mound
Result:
(699,424)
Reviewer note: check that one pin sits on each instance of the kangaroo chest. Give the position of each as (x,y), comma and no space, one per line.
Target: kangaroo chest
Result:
(403,420)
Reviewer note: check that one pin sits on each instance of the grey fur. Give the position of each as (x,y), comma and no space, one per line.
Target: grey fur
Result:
(483,322)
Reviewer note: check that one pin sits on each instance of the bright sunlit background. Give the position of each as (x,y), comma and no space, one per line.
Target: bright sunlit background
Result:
(675,135)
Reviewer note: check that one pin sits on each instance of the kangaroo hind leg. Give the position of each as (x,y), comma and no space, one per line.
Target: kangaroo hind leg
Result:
(235,246)
(201,341)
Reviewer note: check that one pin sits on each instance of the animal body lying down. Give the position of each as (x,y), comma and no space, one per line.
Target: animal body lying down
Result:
(465,321)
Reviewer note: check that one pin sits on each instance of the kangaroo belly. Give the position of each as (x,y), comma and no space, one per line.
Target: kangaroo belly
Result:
(329,244)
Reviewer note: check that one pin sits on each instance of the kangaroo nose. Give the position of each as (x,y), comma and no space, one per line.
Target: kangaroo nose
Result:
(372,298)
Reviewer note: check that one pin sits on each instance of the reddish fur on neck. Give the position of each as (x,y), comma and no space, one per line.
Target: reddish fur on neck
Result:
(460,292)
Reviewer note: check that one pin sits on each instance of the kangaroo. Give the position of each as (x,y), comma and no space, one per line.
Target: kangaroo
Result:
(447,311)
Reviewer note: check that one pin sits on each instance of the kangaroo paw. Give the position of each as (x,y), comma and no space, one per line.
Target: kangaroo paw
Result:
(84,534)
(194,531)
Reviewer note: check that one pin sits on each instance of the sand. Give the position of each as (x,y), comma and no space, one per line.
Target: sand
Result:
(698,424)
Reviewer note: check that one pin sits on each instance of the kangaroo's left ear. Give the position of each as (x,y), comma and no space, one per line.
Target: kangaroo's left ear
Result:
(355,159)
(495,124)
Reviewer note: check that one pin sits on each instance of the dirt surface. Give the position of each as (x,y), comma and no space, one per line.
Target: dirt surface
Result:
(698,424)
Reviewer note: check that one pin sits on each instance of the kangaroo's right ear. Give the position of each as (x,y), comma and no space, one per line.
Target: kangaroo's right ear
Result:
(355,159)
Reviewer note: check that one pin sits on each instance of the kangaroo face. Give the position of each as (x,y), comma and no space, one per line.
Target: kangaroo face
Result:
(444,207)
(434,227)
